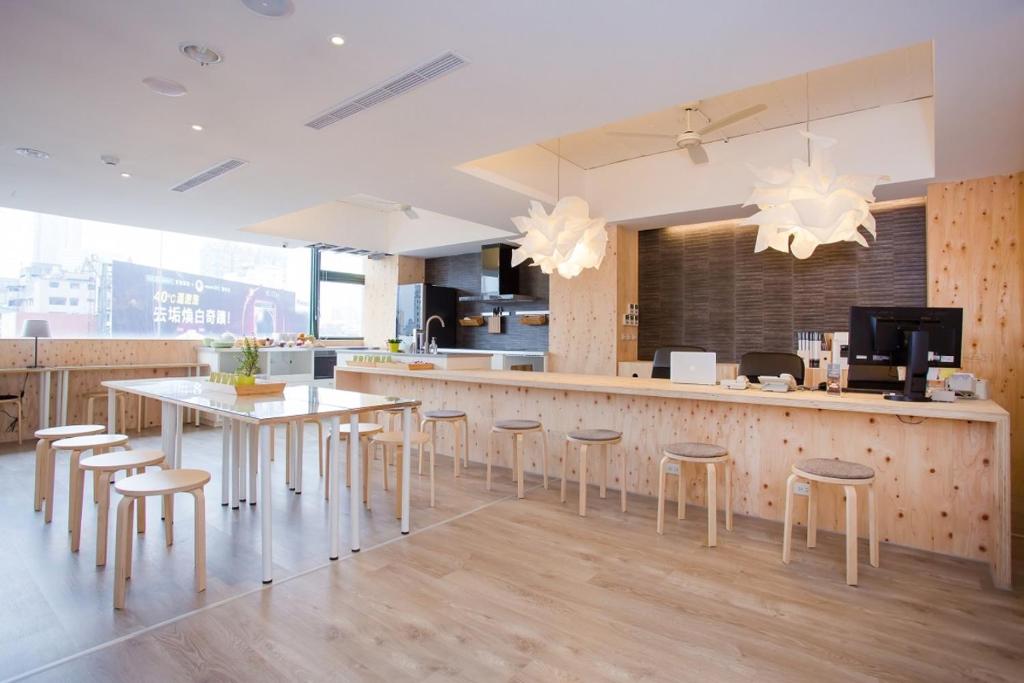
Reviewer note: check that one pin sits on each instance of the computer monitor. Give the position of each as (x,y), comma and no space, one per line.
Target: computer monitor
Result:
(881,335)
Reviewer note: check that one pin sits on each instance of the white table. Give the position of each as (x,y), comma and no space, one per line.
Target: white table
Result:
(259,415)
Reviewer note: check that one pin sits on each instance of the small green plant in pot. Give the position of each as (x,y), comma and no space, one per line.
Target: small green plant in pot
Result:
(250,363)
(394,345)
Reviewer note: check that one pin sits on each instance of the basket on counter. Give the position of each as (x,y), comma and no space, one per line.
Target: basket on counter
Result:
(471,321)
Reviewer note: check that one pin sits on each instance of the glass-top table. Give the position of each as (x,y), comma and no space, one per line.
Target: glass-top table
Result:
(256,417)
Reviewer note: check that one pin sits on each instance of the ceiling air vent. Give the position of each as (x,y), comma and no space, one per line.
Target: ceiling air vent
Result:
(372,255)
(398,85)
(209,174)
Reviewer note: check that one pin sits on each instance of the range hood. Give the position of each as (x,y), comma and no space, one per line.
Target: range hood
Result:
(499,281)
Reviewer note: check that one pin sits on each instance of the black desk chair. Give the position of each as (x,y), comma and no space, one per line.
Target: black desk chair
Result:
(663,359)
(757,363)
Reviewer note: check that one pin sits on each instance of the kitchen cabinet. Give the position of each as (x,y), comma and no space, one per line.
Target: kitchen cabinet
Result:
(292,365)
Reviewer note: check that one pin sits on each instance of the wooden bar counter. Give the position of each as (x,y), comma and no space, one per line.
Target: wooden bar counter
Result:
(943,469)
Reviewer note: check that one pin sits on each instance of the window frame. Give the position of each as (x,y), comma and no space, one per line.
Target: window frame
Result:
(319,275)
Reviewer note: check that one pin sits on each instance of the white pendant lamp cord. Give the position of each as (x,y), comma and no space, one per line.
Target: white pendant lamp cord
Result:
(807,104)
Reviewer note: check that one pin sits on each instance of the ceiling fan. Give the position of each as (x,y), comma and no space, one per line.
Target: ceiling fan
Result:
(692,140)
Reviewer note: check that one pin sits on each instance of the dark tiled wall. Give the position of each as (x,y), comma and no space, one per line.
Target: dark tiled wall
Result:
(463,273)
(706,286)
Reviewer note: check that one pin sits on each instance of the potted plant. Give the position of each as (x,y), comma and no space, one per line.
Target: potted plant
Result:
(394,345)
(250,363)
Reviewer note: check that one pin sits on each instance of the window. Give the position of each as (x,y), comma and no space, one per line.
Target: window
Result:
(338,294)
(147,283)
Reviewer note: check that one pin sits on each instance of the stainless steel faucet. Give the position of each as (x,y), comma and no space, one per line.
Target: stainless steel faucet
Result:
(426,330)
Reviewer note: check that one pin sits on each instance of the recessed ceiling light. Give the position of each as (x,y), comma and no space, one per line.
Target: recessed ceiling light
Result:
(32,153)
(196,127)
(271,8)
(204,54)
(126,175)
(164,86)
(337,40)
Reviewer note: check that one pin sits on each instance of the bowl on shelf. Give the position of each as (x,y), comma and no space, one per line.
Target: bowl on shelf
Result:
(221,344)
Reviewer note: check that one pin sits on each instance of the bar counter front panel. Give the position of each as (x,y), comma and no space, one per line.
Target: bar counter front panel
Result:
(942,470)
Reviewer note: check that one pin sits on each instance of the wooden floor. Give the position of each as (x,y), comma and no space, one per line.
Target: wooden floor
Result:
(489,588)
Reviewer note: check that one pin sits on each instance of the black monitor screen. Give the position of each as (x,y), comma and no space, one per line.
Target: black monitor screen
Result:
(878,336)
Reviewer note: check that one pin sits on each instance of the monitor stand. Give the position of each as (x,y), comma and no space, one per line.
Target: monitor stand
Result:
(916,384)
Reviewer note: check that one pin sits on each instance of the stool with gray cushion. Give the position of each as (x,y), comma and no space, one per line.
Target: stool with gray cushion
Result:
(587,438)
(455,418)
(517,428)
(707,454)
(849,475)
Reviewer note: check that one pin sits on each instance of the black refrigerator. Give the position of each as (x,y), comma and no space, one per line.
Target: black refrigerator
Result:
(418,302)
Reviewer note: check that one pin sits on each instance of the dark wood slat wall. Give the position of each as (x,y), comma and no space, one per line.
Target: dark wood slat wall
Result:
(706,286)
(463,273)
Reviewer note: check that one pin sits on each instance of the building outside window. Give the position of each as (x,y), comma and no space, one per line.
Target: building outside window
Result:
(338,293)
(146,283)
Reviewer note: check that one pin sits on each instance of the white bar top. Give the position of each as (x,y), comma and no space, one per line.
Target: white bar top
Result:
(295,402)
(982,411)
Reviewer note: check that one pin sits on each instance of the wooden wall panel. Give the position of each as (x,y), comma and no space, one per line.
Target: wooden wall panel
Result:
(936,485)
(380,295)
(583,331)
(976,260)
(628,292)
(704,285)
(53,352)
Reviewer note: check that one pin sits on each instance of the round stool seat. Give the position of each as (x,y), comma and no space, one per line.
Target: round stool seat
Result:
(517,425)
(444,414)
(397,438)
(122,460)
(833,469)
(696,450)
(364,429)
(68,431)
(596,435)
(84,443)
(162,482)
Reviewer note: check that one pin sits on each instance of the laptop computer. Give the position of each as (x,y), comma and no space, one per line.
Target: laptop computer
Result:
(693,367)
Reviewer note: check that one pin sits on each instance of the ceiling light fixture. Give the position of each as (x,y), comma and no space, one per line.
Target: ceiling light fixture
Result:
(164,86)
(565,241)
(271,8)
(126,175)
(32,153)
(196,127)
(809,203)
(337,40)
(204,54)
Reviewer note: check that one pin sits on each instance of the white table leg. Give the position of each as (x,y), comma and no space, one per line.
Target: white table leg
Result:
(243,461)
(60,392)
(334,506)
(355,495)
(168,437)
(111,412)
(254,435)
(44,399)
(199,373)
(236,452)
(266,545)
(179,430)
(225,464)
(65,384)
(406,458)
(300,438)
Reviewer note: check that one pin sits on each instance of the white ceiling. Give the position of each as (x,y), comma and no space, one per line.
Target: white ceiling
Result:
(538,70)
(895,76)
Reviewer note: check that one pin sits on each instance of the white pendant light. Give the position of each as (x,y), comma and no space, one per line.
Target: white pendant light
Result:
(565,241)
(807,204)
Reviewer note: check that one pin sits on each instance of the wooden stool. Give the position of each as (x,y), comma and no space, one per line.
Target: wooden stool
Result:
(454,418)
(163,483)
(517,428)
(97,443)
(394,415)
(849,475)
(586,438)
(102,397)
(17,405)
(706,454)
(44,473)
(396,439)
(366,430)
(106,465)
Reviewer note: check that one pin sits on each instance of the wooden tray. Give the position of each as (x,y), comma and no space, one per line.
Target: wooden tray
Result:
(537,319)
(471,321)
(258,389)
